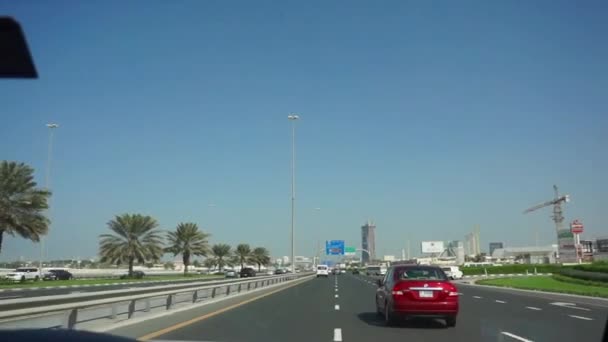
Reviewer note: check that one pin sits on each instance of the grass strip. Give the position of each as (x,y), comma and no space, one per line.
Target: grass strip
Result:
(549,284)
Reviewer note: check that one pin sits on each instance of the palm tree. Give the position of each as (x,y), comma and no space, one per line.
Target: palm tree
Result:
(136,239)
(261,257)
(21,203)
(221,252)
(243,254)
(210,263)
(187,240)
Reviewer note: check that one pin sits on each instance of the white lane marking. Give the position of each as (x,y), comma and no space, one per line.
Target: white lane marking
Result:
(569,306)
(337,335)
(581,317)
(336,296)
(337,307)
(8,297)
(500,301)
(336,290)
(519,338)
(477,297)
(533,308)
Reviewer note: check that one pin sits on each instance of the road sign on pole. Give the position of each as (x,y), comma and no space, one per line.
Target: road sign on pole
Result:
(334,247)
(576,227)
(350,251)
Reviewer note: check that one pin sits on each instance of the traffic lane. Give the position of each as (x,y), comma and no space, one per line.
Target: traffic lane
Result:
(565,318)
(69,289)
(299,313)
(488,318)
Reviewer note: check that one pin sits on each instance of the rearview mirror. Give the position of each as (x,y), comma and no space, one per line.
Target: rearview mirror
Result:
(379,282)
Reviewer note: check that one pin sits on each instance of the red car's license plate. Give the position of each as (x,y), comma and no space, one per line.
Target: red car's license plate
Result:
(425,294)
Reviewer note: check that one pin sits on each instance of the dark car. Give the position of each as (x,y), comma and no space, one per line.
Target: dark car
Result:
(280,271)
(136,275)
(335,271)
(247,272)
(355,271)
(58,275)
(416,291)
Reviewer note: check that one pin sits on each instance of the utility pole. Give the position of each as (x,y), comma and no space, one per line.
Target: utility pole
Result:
(47,181)
(293,118)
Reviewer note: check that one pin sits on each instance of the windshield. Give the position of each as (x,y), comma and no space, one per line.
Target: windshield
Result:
(240,170)
(421,274)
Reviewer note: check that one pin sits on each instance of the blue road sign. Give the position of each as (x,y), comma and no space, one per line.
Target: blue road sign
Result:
(334,247)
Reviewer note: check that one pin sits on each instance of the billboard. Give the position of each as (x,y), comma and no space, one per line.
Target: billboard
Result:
(334,247)
(432,246)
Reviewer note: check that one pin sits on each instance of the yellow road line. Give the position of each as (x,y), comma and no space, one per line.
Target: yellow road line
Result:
(211,314)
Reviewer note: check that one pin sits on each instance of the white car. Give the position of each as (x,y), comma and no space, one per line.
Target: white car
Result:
(322,271)
(23,274)
(452,272)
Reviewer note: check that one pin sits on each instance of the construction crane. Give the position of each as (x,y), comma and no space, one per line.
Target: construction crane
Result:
(556,202)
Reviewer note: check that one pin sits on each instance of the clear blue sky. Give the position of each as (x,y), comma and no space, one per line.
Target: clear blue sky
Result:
(427,117)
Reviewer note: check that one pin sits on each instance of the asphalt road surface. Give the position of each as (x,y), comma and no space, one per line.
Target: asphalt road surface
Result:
(341,308)
(75,288)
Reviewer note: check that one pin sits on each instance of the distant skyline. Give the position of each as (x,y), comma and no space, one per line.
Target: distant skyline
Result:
(428,118)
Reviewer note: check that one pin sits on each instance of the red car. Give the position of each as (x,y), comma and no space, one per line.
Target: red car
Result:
(416,291)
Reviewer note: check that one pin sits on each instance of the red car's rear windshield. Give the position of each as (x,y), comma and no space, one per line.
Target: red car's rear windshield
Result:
(420,273)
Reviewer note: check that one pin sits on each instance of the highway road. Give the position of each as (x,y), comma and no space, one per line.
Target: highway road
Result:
(53,290)
(341,308)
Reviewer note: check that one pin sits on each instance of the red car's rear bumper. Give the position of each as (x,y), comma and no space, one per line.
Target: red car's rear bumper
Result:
(426,309)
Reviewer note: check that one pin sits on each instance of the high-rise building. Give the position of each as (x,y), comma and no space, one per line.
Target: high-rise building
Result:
(368,242)
(472,242)
(495,245)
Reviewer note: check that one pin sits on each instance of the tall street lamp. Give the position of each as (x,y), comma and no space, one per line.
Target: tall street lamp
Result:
(293,118)
(47,181)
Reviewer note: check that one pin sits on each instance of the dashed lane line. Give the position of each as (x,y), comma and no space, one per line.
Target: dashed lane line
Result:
(477,297)
(500,301)
(519,338)
(337,335)
(581,317)
(533,308)
(336,296)
(336,307)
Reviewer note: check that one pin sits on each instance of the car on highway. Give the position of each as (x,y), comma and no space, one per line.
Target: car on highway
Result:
(355,271)
(322,271)
(280,271)
(230,274)
(335,271)
(416,291)
(23,274)
(247,272)
(375,270)
(57,275)
(452,272)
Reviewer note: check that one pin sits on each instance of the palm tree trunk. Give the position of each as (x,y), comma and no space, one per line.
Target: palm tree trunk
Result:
(131,259)
(186,260)
(1,237)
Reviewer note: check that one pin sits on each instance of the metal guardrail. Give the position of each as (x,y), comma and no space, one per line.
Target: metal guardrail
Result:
(77,303)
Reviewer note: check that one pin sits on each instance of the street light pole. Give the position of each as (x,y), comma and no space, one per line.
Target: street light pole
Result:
(293,118)
(47,181)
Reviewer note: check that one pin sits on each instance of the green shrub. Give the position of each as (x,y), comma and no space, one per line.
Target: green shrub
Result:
(511,269)
(571,280)
(584,275)
(598,266)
